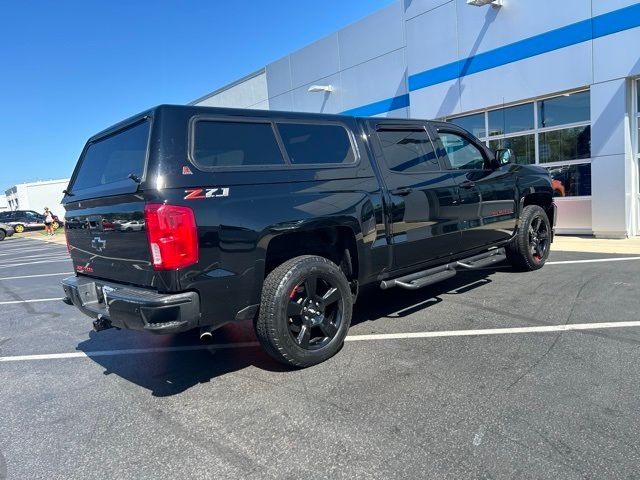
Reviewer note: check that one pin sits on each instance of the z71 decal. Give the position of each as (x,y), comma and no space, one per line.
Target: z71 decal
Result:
(197,193)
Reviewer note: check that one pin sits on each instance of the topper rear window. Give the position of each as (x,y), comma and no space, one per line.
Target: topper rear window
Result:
(111,160)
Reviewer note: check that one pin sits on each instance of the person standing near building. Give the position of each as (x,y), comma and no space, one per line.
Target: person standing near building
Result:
(48,221)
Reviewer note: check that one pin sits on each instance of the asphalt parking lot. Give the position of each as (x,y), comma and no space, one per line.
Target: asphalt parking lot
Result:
(492,374)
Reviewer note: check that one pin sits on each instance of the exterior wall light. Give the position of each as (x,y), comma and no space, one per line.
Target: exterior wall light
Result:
(321,88)
(482,3)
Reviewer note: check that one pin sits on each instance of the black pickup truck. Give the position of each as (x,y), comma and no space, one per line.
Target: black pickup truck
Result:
(280,217)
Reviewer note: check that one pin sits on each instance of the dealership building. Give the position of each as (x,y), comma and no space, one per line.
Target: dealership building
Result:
(556,81)
(36,196)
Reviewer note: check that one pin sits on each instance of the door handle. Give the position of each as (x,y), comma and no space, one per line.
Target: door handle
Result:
(467,184)
(402,191)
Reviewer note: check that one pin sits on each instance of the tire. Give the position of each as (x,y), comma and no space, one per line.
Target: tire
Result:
(3,234)
(305,312)
(19,228)
(55,225)
(530,247)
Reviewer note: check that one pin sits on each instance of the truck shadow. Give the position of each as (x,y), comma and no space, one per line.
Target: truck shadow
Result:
(166,373)
(374,304)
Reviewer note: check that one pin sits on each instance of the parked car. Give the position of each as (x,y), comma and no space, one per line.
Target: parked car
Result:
(23,220)
(5,231)
(131,225)
(279,218)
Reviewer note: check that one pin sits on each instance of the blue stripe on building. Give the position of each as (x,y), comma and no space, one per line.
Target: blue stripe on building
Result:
(596,27)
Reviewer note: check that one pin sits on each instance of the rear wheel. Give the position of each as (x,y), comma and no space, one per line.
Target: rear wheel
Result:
(529,249)
(3,234)
(19,228)
(55,225)
(305,311)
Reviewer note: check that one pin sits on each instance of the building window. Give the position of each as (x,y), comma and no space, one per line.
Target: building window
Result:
(571,180)
(554,131)
(472,123)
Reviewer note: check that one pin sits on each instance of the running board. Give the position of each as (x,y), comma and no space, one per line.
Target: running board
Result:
(424,278)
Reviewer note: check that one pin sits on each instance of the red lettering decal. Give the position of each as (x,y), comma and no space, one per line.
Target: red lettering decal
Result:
(193,193)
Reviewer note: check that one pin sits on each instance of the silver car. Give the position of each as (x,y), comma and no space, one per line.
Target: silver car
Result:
(5,231)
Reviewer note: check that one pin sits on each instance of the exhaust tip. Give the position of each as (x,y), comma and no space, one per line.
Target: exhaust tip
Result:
(206,335)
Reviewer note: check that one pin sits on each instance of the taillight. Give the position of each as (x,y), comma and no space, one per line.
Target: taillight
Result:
(172,235)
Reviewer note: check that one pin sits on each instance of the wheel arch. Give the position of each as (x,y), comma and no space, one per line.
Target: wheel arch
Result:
(541,199)
(336,241)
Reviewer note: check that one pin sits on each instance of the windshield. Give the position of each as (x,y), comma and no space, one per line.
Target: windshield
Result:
(114,158)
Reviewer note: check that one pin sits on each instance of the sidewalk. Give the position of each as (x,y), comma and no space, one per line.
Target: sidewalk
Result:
(567,243)
(40,235)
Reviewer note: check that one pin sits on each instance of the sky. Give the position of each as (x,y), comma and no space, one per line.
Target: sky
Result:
(69,69)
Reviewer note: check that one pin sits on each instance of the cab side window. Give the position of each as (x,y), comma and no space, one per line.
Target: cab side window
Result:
(462,154)
(408,150)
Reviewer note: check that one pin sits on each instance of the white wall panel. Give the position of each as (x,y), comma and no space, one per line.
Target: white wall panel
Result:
(609,195)
(375,35)
(319,102)
(608,111)
(318,60)
(279,77)
(413,8)
(574,215)
(436,101)
(432,39)
(282,102)
(533,77)
(399,113)
(605,6)
(487,28)
(617,55)
(242,95)
(378,79)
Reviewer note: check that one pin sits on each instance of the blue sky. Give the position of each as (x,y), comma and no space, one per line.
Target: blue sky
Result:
(71,68)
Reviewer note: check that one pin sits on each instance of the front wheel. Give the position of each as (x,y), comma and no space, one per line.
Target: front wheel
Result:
(18,228)
(530,248)
(305,311)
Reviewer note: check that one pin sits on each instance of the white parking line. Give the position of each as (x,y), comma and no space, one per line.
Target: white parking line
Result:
(30,251)
(595,260)
(39,275)
(351,338)
(31,301)
(35,263)
(32,257)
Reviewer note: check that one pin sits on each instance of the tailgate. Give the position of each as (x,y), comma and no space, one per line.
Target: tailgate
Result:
(110,242)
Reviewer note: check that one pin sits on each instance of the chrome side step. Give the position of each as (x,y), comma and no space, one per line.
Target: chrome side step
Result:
(424,278)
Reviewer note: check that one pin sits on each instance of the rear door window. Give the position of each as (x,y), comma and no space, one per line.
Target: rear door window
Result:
(235,144)
(112,160)
(408,150)
(316,144)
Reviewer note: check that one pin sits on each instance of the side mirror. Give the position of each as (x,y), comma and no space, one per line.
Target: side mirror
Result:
(504,156)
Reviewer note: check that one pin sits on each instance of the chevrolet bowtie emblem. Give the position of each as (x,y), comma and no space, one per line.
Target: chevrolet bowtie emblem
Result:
(98,244)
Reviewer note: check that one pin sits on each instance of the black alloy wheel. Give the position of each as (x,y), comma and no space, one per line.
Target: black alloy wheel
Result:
(539,238)
(530,247)
(314,312)
(305,311)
